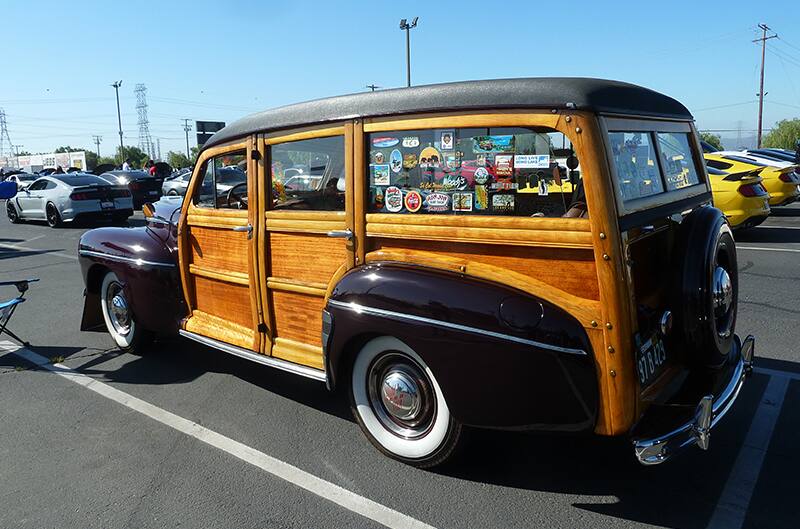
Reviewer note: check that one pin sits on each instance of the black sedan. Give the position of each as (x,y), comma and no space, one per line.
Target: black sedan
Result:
(143,186)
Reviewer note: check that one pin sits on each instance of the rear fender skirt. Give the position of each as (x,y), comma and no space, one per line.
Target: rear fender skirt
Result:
(503,358)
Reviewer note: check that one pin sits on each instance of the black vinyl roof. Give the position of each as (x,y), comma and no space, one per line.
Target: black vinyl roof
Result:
(597,95)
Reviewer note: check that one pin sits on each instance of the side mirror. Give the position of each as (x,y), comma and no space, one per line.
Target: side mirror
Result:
(8,189)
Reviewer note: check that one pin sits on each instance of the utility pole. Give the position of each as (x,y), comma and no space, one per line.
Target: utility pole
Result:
(761,94)
(97,139)
(16,149)
(404,25)
(119,120)
(186,128)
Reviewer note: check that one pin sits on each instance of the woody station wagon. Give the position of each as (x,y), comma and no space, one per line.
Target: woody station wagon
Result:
(528,254)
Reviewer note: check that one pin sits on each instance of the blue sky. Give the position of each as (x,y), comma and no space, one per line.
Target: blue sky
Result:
(221,60)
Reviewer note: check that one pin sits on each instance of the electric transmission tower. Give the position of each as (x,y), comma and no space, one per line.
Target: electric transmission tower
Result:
(145,141)
(4,137)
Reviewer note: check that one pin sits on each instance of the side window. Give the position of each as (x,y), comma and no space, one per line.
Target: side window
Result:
(309,174)
(500,171)
(37,186)
(677,161)
(224,183)
(635,159)
(50,185)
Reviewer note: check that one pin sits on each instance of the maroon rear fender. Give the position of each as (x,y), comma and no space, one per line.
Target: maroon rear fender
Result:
(146,264)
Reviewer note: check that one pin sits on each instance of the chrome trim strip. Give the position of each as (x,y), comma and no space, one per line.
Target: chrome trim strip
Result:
(131,260)
(355,307)
(304,371)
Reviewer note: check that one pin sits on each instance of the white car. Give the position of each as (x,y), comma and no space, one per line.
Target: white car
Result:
(60,198)
(22,180)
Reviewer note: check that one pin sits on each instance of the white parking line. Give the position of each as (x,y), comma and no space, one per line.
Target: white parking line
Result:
(763,249)
(735,498)
(322,488)
(777,373)
(47,252)
(780,227)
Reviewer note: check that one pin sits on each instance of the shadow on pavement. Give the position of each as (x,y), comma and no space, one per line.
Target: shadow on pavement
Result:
(771,234)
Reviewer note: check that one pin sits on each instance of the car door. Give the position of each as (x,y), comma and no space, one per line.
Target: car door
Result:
(217,248)
(30,200)
(308,242)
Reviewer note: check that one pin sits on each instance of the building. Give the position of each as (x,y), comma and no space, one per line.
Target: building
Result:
(36,162)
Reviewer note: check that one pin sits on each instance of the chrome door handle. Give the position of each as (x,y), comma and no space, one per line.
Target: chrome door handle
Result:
(248,229)
(341,234)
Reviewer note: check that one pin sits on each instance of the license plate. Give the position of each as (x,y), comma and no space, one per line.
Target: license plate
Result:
(152,193)
(650,360)
(105,204)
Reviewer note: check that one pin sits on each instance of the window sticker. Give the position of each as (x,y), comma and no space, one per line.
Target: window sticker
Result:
(437,202)
(409,161)
(484,144)
(480,160)
(532,161)
(396,161)
(543,189)
(447,140)
(504,165)
(378,157)
(453,161)
(385,141)
(413,201)
(481,198)
(410,142)
(481,175)
(380,175)
(462,201)
(378,199)
(454,182)
(393,198)
(503,203)
(430,157)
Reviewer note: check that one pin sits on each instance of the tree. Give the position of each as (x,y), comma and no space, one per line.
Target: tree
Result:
(194,151)
(23,153)
(784,135)
(136,156)
(91,160)
(103,160)
(177,160)
(712,139)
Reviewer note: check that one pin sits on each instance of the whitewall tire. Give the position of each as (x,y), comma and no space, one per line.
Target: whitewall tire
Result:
(119,317)
(399,405)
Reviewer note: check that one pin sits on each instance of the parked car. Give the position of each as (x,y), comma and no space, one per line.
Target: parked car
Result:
(782,155)
(779,178)
(176,184)
(741,196)
(436,306)
(61,198)
(22,180)
(143,186)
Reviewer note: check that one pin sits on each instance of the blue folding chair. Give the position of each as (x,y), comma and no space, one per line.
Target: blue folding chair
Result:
(7,308)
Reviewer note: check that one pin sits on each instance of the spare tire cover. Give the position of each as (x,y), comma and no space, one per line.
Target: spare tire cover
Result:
(708,286)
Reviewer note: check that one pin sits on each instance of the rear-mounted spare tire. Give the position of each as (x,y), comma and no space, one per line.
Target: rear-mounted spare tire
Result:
(708,286)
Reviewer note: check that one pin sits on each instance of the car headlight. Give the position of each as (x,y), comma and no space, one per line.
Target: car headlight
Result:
(122,180)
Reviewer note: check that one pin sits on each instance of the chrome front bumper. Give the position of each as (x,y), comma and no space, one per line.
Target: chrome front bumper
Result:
(709,411)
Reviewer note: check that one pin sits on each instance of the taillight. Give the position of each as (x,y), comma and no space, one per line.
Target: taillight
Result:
(135,185)
(79,196)
(789,178)
(753,190)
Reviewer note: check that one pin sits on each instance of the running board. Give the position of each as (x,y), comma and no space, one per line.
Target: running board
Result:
(283,365)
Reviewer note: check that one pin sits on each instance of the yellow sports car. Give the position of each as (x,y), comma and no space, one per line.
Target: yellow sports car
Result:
(778,178)
(741,196)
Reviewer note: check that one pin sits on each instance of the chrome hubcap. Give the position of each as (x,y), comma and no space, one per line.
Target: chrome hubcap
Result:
(118,311)
(401,395)
(722,295)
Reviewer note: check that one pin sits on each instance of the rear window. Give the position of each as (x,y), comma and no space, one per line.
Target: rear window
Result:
(81,180)
(650,163)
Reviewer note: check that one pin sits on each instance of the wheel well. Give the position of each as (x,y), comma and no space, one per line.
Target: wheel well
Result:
(94,278)
(344,363)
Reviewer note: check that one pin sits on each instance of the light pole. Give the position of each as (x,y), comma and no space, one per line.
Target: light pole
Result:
(186,129)
(408,27)
(119,121)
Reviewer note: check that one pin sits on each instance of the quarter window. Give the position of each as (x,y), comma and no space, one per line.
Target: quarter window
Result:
(474,171)
(309,174)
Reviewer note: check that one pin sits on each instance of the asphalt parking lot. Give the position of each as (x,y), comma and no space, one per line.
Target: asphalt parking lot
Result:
(186,436)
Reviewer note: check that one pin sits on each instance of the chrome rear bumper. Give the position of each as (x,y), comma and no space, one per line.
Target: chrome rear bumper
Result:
(709,411)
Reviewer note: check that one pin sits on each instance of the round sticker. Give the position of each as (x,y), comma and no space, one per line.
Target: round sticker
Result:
(393,198)
(413,201)
(396,161)
(378,157)
(481,175)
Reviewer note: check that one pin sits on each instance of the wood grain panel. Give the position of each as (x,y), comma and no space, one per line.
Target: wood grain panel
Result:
(508,118)
(298,316)
(308,258)
(286,285)
(219,249)
(299,353)
(224,300)
(570,270)
(221,329)
(220,275)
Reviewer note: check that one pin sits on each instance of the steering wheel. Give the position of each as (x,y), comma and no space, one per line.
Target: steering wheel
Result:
(240,198)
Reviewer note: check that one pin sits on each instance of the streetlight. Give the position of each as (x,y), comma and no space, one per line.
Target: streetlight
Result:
(408,27)
(119,120)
